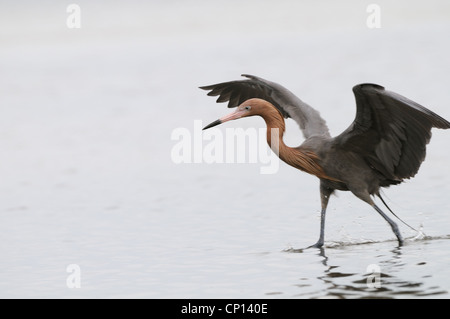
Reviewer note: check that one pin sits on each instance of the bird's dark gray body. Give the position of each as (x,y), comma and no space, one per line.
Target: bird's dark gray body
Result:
(341,166)
(384,145)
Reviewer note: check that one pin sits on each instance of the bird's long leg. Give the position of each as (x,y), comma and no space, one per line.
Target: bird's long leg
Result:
(365,196)
(391,223)
(325,193)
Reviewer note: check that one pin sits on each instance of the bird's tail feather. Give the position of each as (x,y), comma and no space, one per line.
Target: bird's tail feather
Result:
(379,195)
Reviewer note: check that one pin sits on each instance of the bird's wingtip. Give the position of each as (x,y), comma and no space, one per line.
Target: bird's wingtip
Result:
(209,88)
(249,76)
(367,86)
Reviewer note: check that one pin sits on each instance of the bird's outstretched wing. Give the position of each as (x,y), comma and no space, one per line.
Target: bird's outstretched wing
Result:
(289,105)
(390,131)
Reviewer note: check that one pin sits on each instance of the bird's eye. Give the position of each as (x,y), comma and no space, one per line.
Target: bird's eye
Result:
(248,107)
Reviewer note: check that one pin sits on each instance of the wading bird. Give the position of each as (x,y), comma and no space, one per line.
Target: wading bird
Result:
(383,146)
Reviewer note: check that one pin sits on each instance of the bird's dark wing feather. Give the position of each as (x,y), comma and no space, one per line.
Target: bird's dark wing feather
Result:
(390,131)
(289,105)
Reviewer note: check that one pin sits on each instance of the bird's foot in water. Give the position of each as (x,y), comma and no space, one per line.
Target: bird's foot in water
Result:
(319,244)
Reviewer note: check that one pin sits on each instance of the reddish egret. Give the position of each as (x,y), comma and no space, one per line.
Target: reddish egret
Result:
(383,146)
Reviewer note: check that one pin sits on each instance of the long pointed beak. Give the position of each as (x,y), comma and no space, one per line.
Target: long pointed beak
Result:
(216,122)
(232,116)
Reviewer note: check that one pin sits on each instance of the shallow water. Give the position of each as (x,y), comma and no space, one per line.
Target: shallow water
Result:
(88,178)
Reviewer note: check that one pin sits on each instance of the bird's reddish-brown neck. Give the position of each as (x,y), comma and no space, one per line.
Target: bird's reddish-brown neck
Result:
(300,158)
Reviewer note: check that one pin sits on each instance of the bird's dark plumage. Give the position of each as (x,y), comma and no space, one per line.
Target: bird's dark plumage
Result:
(236,92)
(389,131)
(385,144)
(289,105)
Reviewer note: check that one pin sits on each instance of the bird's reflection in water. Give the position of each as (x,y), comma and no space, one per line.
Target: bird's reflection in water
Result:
(343,285)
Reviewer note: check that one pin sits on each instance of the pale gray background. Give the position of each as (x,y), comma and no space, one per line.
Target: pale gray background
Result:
(86,176)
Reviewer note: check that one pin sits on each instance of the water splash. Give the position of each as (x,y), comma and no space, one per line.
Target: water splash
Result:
(420,235)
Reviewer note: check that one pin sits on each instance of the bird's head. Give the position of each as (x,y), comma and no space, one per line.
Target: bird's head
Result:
(248,108)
